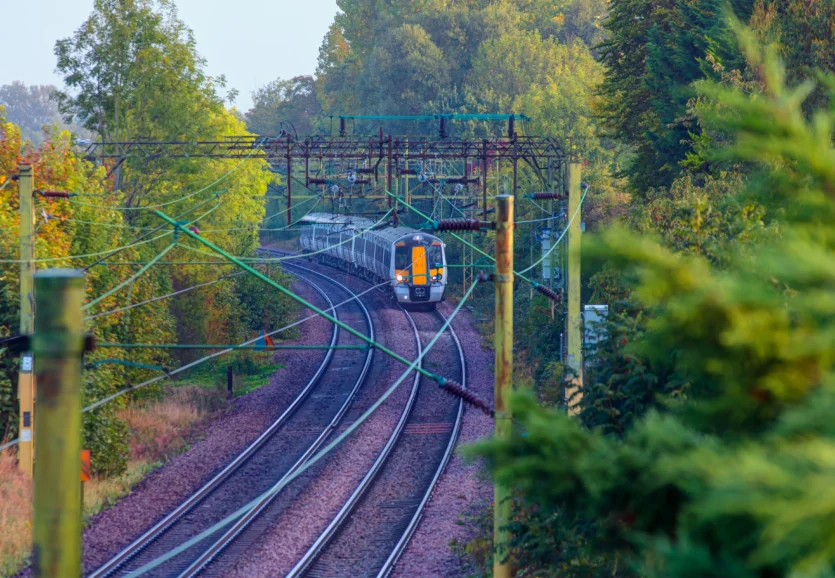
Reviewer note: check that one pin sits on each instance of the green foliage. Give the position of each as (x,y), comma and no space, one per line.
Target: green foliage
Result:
(32,108)
(132,72)
(291,100)
(734,481)
(260,306)
(656,50)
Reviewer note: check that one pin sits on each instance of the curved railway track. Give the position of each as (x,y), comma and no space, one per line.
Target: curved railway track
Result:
(373,528)
(269,459)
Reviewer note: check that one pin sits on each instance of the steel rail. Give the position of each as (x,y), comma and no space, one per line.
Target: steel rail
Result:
(244,522)
(400,547)
(155,532)
(342,515)
(325,538)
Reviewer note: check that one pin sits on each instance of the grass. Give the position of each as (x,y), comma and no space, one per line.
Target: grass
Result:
(159,430)
(15,515)
(246,377)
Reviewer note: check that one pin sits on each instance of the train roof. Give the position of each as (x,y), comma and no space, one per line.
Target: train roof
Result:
(386,232)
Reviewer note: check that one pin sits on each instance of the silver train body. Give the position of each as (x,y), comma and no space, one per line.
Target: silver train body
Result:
(411,261)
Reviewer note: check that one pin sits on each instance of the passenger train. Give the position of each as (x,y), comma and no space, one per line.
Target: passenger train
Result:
(413,262)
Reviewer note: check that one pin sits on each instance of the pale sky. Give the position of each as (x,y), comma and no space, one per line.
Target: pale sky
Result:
(250,41)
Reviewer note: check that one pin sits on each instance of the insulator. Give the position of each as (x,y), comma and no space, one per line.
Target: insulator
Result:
(454,388)
(545,196)
(55,194)
(548,292)
(462,225)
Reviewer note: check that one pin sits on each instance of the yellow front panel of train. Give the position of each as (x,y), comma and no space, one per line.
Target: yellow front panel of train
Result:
(419,266)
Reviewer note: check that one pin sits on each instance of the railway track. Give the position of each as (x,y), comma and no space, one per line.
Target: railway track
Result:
(373,528)
(268,460)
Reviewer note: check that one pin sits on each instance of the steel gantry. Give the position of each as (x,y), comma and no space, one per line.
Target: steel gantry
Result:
(368,162)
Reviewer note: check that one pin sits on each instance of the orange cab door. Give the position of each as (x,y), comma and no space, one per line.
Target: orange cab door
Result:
(419,266)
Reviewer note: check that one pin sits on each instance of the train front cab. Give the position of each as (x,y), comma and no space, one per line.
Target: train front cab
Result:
(419,270)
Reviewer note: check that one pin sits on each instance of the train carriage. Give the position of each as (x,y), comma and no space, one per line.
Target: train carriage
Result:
(411,261)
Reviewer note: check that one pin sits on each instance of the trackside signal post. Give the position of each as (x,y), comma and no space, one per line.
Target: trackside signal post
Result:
(504,370)
(58,343)
(26,378)
(573,315)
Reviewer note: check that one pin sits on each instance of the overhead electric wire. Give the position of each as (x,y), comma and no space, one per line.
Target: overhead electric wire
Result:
(463,240)
(74,257)
(299,255)
(133,278)
(292,295)
(520,274)
(567,228)
(161,297)
(413,366)
(216,354)
(171,202)
(152,231)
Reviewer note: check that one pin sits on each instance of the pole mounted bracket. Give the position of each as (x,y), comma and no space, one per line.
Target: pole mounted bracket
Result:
(19,344)
(495,278)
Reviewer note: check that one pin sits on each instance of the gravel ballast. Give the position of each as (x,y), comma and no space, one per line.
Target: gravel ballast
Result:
(321,491)
(217,443)
(460,489)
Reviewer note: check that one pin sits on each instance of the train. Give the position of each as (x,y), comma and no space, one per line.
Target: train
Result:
(412,262)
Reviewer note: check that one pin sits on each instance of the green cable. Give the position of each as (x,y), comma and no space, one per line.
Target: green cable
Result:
(223,346)
(126,363)
(131,279)
(319,455)
(232,170)
(290,294)
(204,359)
(114,249)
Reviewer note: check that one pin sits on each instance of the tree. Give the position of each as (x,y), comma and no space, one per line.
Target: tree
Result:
(132,72)
(737,480)
(33,109)
(656,50)
(293,100)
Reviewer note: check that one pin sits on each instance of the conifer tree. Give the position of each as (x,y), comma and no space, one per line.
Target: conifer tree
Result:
(736,480)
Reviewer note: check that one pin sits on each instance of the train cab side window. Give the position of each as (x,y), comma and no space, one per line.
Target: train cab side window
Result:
(435,254)
(387,258)
(378,253)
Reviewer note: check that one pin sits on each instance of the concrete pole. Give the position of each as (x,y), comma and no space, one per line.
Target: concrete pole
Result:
(504,371)
(58,344)
(26,378)
(574,319)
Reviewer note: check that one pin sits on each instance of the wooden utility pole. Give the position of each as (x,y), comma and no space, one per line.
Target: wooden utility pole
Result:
(26,379)
(573,319)
(504,371)
(58,344)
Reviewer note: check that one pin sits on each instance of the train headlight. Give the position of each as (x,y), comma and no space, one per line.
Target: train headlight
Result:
(400,278)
